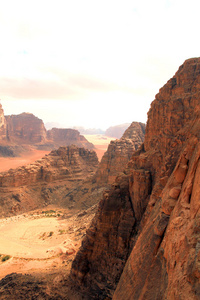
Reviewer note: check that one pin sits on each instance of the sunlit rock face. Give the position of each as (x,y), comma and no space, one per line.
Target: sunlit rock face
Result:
(25,127)
(143,241)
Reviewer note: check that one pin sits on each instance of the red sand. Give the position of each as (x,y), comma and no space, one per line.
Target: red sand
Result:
(7,163)
(100,142)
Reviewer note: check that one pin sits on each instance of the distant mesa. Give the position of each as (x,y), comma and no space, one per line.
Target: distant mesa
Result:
(117,131)
(23,132)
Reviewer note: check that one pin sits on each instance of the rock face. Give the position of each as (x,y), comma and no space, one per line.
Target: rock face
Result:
(66,137)
(119,153)
(152,211)
(67,162)
(20,132)
(25,128)
(49,180)
(2,124)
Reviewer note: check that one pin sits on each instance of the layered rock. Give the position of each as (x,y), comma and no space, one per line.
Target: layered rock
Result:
(152,211)
(65,163)
(165,261)
(25,128)
(20,133)
(57,179)
(66,137)
(119,153)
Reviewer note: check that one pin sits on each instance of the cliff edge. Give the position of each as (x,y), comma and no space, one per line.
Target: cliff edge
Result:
(144,240)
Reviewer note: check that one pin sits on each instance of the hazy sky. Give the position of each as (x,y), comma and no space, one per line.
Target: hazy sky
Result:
(92,63)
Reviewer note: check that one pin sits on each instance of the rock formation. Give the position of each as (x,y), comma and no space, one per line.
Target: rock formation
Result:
(47,181)
(147,224)
(66,136)
(25,128)
(119,153)
(66,162)
(2,124)
(19,133)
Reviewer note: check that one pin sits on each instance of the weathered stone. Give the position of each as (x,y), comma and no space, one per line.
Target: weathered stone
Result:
(164,173)
(119,153)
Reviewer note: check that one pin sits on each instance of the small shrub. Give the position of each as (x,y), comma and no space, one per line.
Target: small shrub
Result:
(6,257)
(50,233)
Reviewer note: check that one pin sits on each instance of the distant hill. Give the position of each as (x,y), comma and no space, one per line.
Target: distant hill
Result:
(117,131)
(19,133)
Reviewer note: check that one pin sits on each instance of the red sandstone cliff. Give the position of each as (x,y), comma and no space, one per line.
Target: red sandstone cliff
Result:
(152,211)
(119,153)
(66,136)
(25,128)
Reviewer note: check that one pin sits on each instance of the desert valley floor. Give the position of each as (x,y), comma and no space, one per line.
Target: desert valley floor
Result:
(43,241)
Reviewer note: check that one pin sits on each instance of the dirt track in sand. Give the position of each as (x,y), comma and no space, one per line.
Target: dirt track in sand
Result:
(41,242)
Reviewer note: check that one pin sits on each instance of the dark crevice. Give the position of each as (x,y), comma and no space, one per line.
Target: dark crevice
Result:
(160,242)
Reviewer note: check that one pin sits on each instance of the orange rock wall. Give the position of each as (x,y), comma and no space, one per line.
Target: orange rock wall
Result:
(158,190)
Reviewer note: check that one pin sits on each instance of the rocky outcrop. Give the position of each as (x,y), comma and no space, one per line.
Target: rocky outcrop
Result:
(65,163)
(152,211)
(20,133)
(25,128)
(164,263)
(119,153)
(66,136)
(62,178)
(2,124)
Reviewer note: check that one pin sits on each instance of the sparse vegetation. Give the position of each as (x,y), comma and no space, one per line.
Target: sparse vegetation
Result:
(46,235)
(50,233)
(50,213)
(5,257)
(62,231)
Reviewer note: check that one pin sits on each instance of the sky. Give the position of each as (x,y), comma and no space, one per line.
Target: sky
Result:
(92,63)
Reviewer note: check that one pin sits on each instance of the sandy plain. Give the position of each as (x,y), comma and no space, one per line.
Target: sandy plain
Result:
(100,142)
(41,241)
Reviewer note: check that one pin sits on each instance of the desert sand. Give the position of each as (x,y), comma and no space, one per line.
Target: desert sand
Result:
(41,241)
(7,163)
(100,142)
